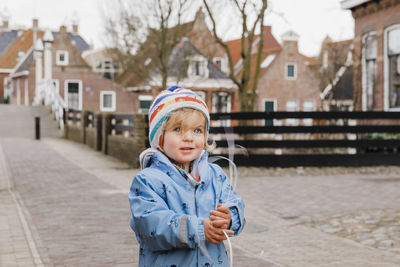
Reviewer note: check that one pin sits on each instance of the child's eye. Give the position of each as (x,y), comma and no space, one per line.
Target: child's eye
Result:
(177,129)
(197,131)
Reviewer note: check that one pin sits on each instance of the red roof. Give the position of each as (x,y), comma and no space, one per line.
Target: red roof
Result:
(23,43)
(270,44)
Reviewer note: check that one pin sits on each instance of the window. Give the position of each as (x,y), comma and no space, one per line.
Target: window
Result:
(62,58)
(221,102)
(73,93)
(107,101)
(393,66)
(221,63)
(107,68)
(144,103)
(218,62)
(269,106)
(308,106)
(369,53)
(291,71)
(198,67)
(292,106)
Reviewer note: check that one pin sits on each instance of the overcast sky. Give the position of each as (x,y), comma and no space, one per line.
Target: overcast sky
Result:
(313,20)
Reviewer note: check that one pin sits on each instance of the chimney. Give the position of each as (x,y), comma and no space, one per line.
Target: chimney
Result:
(75,28)
(290,39)
(75,22)
(63,30)
(5,24)
(5,16)
(35,24)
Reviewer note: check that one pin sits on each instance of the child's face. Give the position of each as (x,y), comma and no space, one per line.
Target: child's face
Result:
(184,139)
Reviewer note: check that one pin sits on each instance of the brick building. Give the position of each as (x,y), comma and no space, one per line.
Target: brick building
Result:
(55,63)
(286,81)
(376,54)
(196,62)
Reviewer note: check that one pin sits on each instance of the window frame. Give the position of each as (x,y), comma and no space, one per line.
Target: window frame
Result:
(66,82)
(292,121)
(294,71)
(214,99)
(64,62)
(144,98)
(191,66)
(386,83)
(364,77)
(113,101)
(308,121)
(273,100)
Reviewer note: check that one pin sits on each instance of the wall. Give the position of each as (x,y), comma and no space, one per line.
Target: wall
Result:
(99,137)
(273,85)
(374,16)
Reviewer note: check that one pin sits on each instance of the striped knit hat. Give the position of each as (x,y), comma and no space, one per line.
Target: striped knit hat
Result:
(168,101)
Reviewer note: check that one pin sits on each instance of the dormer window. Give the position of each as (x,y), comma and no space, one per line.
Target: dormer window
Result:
(62,58)
(198,67)
(220,63)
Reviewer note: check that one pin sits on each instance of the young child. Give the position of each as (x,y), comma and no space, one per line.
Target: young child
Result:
(181,205)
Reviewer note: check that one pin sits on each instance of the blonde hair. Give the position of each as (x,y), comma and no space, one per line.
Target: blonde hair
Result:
(177,117)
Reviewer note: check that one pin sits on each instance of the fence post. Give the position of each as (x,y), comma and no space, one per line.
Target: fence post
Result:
(84,123)
(98,122)
(139,136)
(37,127)
(106,123)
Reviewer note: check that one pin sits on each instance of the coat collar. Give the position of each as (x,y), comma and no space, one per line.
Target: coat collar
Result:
(200,165)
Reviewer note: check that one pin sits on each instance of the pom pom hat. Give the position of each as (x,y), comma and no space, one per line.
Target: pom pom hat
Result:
(168,101)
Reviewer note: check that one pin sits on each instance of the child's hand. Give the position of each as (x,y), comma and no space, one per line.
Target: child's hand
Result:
(221,218)
(214,234)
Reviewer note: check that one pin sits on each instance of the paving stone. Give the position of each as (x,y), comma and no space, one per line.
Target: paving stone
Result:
(67,184)
(386,243)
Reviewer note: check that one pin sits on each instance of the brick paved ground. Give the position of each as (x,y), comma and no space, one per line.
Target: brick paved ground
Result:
(74,202)
(276,206)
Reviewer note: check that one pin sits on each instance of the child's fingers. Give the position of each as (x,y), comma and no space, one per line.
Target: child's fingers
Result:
(223,208)
(220,223)
(220,214)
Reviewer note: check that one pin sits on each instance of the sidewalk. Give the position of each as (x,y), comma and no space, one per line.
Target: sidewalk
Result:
(16,244)
(77,200)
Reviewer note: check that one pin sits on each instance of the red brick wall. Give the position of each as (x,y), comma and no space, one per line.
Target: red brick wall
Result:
(273,85)
(125,101)
(2,77)
(375,16)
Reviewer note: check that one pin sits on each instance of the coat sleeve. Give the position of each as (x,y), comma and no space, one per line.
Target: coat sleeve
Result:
(155,224)
(233,201)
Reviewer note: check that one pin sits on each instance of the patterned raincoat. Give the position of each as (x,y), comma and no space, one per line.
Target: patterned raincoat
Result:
(168,212)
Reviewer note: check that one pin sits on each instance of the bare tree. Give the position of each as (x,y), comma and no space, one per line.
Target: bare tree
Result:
(251,13)
(144,34)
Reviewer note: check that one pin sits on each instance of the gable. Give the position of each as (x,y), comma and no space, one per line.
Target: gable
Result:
(180,58)
(62,42)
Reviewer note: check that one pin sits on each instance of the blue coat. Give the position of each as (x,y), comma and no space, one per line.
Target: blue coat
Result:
(168,213)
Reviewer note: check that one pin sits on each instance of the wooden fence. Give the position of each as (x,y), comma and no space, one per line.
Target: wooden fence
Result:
(327,139)
(275,139)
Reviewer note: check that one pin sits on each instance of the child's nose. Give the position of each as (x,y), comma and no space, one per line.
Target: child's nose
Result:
(187,135)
